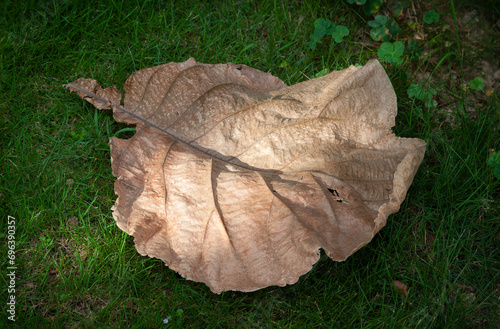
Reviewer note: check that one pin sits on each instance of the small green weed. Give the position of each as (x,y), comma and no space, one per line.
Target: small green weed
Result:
(414,50)
(398,6)
(391,52)
(477,84)
(431,17)
(324,27)
(383,29)
(369,6)
(321,73)
(176,320)
(494,162)
(417,91)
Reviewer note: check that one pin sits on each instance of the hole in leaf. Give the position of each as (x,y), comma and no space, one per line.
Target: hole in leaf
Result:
(333,192)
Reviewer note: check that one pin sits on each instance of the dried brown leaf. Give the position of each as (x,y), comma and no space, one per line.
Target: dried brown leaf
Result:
(236,180)
(401,287)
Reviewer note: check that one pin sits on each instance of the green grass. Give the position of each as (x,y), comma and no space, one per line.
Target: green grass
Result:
(77,269)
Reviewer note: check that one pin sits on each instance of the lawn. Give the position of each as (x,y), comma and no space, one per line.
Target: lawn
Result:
(76,269)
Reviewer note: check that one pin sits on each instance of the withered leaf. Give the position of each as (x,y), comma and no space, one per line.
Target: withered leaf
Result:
(401,287)
(236,180)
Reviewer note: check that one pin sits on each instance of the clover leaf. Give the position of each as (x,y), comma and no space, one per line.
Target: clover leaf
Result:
(391,52)
(383,28)
(414,50)
(415,91)
(477,84)
(321,28)
(398,7)
(339,32)
(372,7)
(426,95)
(379,20)
(431,16)
(324,27)
(494,161)
(393,26)
(314,39)
(379,31)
